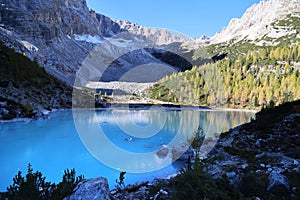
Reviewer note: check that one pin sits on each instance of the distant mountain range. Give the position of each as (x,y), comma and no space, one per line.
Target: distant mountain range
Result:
(60,34)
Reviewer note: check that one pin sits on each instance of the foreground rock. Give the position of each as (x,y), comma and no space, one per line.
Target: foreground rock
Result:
(142,191)
(92,189)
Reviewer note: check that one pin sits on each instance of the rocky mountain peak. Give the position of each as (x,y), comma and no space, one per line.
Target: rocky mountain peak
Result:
(257,20)
(159,36)
(204,39)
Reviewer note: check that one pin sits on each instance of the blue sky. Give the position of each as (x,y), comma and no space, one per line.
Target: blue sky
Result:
(190,17)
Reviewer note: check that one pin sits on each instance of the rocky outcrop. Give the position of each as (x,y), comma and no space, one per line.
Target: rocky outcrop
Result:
(92,189)
(262,157)
(257,21)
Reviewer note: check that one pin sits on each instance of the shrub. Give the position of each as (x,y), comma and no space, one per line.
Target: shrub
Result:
(34,186)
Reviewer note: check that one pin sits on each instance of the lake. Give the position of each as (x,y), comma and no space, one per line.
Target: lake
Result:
(105,142)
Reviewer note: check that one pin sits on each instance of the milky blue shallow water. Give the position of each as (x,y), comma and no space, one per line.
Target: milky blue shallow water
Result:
(60,142)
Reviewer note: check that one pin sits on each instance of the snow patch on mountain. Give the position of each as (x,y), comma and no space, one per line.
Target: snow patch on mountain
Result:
(29,46)
(88,38)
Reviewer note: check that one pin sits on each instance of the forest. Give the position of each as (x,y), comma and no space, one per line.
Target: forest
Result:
(259,78)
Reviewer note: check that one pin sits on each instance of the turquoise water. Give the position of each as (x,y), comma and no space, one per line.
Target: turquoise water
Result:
(104,142)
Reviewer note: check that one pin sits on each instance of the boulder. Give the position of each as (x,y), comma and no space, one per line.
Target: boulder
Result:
(183,152)
(92,189)
(4,111)
(278,183)
(163,152)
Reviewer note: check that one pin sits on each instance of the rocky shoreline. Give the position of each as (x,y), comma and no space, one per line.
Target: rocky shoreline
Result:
(38,115)
(43,114)
(260,160)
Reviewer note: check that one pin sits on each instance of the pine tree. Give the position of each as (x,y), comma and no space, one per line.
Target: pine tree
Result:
(277,53)
(255,57)
(261,97)
(263,54)
(298,50)
(287,68)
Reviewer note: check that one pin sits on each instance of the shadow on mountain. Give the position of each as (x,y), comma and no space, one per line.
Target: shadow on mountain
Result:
(171,58)
(144,65)
(219,57)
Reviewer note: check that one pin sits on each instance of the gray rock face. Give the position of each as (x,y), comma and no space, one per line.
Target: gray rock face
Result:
(158,35)
(54,18)
(92,189)
(47,30)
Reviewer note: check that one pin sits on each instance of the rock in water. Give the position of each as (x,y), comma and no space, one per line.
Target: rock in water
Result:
(92,189)
(163,152)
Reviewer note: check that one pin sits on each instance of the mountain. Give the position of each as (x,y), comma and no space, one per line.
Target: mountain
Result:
(159,36)
(60,34)
(259,22)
